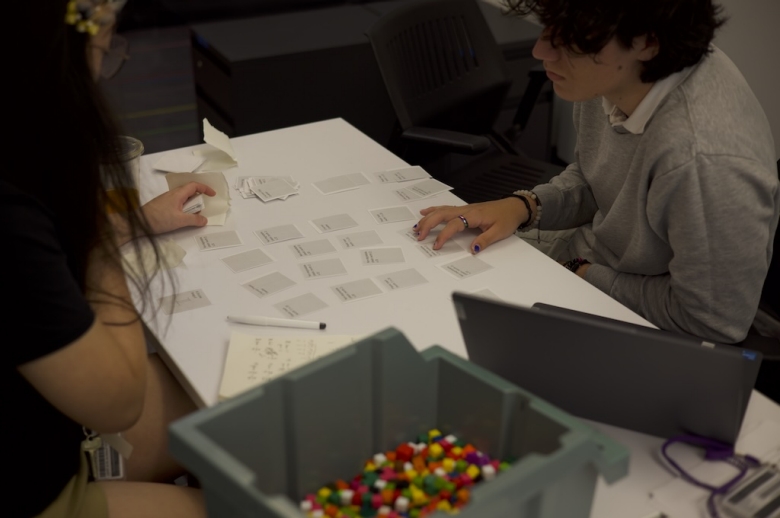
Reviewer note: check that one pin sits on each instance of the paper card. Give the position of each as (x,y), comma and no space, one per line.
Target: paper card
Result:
(359,179)
(411,234)
(333,223)
(429,187)
(420,190)
(268,284)
(301,305)
(244,184)
(273,190)
(217,240)
(178,163)
(392,214)
(184,301)
(450,247)
(278,234)
(247,260)
(319,247)
(356,290)
(466,267)
(212,205)
(323,268)
(375,256)
(341,183)
(334,185)
(406,195)
(193,205)
(360,239)
(486,293)
(242,181)
(402,279)
(219,140)
(403,174)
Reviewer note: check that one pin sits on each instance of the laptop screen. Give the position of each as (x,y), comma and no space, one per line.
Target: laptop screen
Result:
(627,375)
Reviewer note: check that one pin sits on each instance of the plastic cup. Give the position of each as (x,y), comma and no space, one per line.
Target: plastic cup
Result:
(130,153)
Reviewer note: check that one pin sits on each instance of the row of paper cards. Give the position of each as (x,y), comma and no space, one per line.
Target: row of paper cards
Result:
(365,243)
(361,240)
(269,188)
(424,189)
(220,155)
(351,291)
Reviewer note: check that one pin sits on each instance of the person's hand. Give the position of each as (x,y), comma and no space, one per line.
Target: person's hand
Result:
(164,213)
(497,219)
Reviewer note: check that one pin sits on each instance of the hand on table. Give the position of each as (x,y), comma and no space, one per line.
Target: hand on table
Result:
(497,219)
(164,213)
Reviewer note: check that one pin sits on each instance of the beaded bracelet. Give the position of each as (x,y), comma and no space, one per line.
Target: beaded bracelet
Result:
(527,223)
(525,195)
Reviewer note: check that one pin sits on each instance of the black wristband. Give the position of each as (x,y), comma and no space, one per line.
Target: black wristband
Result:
(574,264)
(527,206)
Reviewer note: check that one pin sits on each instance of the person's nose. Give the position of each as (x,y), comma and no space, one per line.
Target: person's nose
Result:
(543,49)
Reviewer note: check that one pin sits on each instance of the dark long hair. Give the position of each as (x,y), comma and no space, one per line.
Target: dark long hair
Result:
(65,148)
(684,29)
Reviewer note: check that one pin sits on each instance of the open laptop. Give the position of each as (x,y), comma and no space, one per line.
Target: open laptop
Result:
(644,379)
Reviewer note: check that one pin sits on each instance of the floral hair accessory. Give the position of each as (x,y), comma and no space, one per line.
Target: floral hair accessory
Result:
(90,15)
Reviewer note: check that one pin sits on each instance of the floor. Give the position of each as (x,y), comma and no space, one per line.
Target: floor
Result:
(154,94)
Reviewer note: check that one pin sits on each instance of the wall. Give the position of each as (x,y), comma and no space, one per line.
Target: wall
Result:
(751,38)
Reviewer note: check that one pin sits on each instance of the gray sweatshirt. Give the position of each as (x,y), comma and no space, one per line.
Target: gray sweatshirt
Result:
(677,219)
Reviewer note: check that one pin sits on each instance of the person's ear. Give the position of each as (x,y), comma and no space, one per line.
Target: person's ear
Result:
(647,47)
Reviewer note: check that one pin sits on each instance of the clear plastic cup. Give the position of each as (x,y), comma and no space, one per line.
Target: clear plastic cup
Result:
(130,153)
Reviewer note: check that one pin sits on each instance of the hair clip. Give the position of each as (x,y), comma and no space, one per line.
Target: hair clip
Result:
(90,15)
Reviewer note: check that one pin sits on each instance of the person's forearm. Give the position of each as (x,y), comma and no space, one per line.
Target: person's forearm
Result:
(669,306)
(567,200)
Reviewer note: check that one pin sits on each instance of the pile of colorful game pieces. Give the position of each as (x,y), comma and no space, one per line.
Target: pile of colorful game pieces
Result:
(414,480)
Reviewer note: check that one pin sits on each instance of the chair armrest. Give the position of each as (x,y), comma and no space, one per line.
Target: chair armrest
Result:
(459,142)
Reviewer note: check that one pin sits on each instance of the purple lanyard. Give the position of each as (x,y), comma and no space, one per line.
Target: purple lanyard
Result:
(713,450)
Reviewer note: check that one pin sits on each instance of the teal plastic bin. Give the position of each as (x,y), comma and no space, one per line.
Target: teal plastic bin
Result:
(256,455)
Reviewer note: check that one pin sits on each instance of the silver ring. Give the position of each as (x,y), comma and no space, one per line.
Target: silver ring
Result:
(464,220)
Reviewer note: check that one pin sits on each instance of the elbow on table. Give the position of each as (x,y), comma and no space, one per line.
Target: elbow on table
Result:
(729,328)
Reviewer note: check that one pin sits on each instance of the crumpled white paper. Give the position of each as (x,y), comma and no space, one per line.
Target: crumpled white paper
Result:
(221,155)
(215,208)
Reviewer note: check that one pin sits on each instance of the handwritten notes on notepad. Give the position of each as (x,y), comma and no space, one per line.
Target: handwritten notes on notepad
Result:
(253,360)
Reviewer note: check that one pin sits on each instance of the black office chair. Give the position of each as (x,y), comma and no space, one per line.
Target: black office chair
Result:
(447,80)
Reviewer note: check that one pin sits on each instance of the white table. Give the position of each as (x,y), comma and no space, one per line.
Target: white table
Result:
(195,343)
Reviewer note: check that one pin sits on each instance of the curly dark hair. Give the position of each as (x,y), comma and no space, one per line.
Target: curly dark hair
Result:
(682,28)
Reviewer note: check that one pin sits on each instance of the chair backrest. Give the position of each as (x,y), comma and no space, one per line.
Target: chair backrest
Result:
(441,65)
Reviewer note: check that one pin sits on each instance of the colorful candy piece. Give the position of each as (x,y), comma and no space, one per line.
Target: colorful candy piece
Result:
(432,475)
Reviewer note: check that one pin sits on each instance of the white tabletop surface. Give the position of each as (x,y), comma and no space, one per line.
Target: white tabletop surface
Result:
(194,342)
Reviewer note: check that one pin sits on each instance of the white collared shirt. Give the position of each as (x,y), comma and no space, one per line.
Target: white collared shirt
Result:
(638,120)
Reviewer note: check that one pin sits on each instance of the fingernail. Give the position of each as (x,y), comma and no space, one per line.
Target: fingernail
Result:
(415,225)
(476,249)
